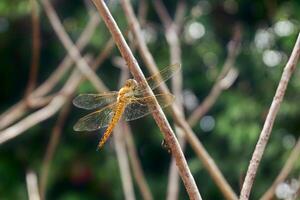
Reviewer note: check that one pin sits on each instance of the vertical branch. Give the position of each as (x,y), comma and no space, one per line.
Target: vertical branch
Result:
(142,11)
(32,186)
(268,125)
(172,36)
(122,157)
(196,144)
(121,152)
(158,115)
(51,147)
(136,165)
(35,47)
(287,168)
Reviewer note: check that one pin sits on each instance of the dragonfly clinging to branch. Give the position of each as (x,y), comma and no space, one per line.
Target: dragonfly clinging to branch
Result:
(129,102)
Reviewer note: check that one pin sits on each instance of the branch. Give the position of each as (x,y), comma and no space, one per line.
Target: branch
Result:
(70,47)
(287,168)
(36,40)
(219,86)
(55,104)
(158,115)
(123,163)
(52,145)
(197,146)
(32,186)
(172,35)
(268,125)
(136,165)
(19,109)
(121,152)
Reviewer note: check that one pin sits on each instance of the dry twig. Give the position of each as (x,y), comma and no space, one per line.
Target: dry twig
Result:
(36,39)
(19,109)
(136,165)
(199,149)
(172,36)
(158,115)
(51,147)
(55,104)
(287,168)
(71,48)
(121,152)
(268,125)
(32,186)
(218,87)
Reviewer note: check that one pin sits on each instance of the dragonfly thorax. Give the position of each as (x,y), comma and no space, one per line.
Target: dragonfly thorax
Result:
(127,91)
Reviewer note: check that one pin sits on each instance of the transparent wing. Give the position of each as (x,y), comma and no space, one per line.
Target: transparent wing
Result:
(93,101)
(139,107)
(155,80)
(96,120)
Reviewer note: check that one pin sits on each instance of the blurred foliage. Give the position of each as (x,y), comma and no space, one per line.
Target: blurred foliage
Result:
(269,30)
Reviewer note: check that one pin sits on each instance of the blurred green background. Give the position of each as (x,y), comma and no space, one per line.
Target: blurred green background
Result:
(229,130)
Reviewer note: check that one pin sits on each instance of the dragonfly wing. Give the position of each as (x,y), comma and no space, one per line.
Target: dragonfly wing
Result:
(140,107)
(96,120)
(155,80)
(93,101)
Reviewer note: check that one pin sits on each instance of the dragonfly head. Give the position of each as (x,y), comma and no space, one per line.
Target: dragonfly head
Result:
(131,83)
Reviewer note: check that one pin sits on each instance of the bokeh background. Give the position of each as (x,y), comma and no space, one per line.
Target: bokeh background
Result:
(229,131)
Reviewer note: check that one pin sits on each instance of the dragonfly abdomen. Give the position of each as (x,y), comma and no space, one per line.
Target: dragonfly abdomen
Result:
(117,115)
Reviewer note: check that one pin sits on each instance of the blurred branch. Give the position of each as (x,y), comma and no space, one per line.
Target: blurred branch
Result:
(172,35)
(287,168)
(225,75)
(197,146)
(19,109)
(121,152)
(269,122)
(70,47)
(36,40)
(52,145)
(55,104)
(32,186)
(123,163)
(158,115)
(142,11)
(136,165)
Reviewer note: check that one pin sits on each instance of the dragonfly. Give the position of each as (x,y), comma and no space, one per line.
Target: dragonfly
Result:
(129,103)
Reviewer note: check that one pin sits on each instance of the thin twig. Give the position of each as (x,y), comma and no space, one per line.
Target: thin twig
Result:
(172,36)
(285,171)
(32,186)
(136,165)
(19,109)
(218,87)
(51,147)
(55,104)
(268,125)
(67,62)
(197,146)
(158,115)
(36,39)
(70,47)
(121,151)
(123,163)
(142,11)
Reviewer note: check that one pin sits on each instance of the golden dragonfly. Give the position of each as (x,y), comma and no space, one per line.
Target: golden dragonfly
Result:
(129,102)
